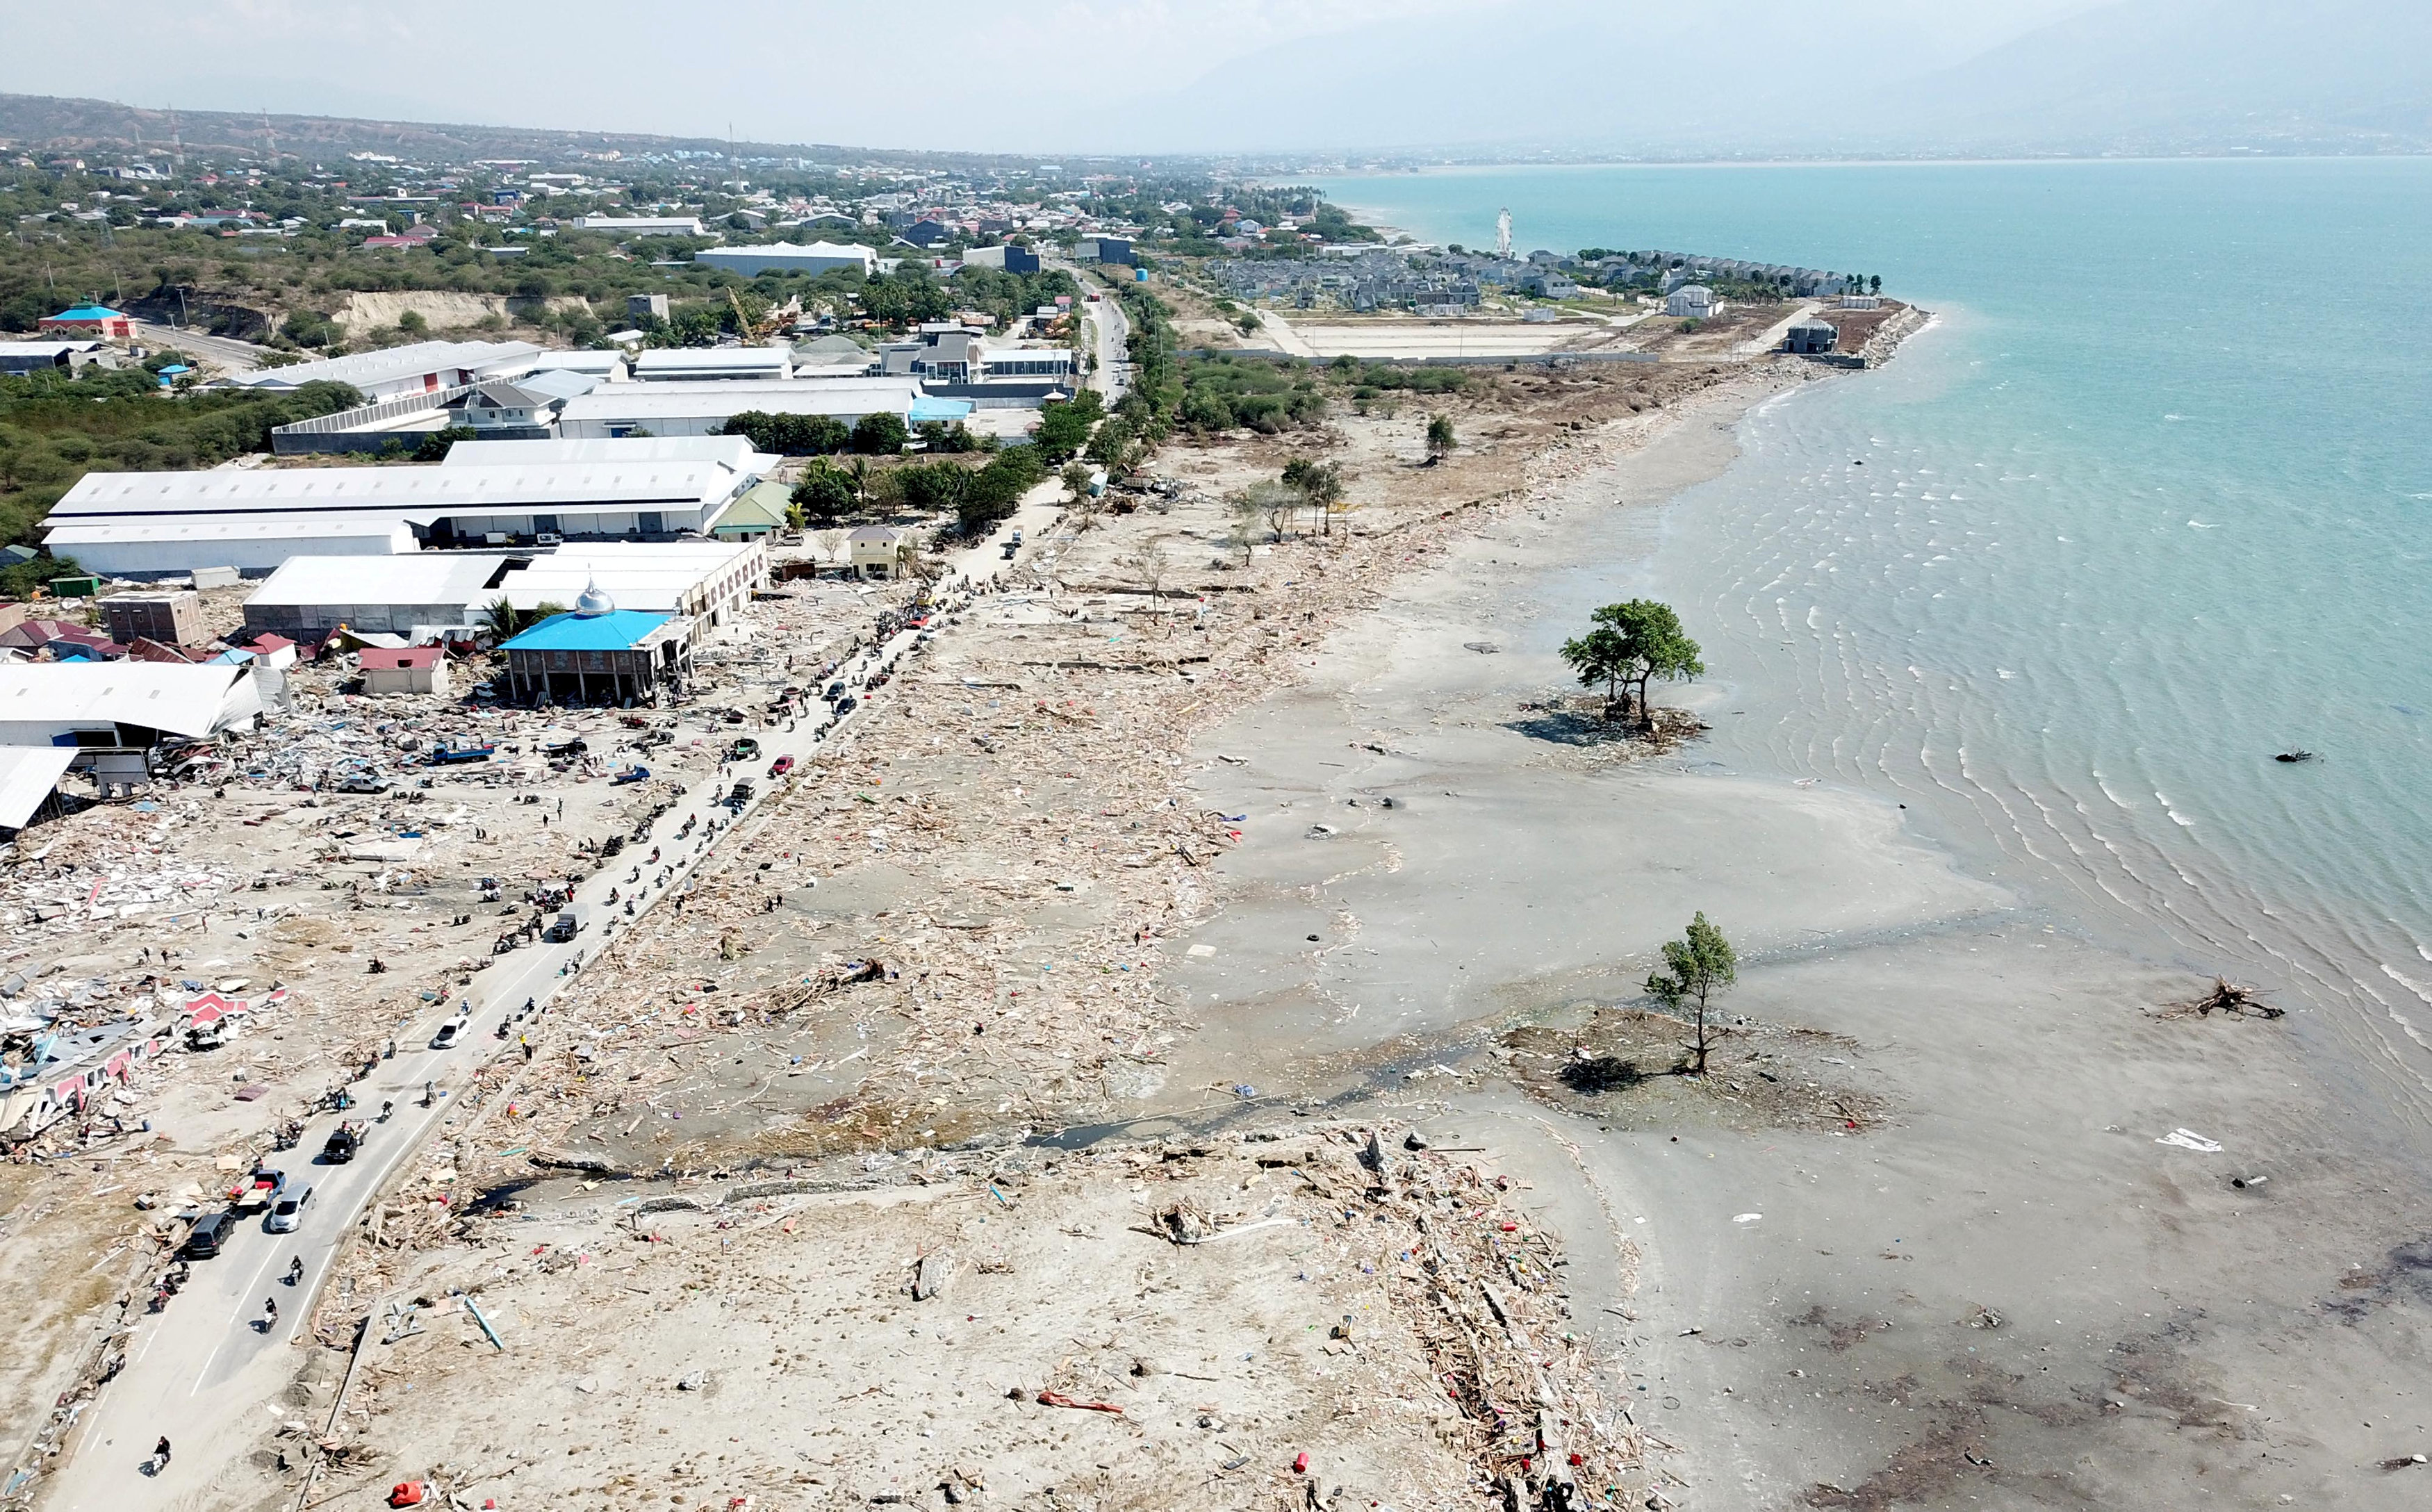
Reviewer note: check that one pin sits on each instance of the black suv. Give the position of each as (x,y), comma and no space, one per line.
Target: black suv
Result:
(207,1236)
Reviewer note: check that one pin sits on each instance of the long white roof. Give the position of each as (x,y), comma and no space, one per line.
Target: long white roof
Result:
(420,578)
(652,577)
(727,452)
(185,700)
(394,364)
(389,525)
(773,360)
(817,395)
(787,252)
(419,493)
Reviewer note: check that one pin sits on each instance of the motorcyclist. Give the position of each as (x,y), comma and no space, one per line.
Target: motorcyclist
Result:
(386,1107)
(296,1270)
(270,1311)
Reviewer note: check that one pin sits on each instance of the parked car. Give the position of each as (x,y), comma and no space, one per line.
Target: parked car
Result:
(781,767)
(847,704)
(740,796)
(287,1214)
(744,749)
(209,1234)
(835,691)
(449,1034)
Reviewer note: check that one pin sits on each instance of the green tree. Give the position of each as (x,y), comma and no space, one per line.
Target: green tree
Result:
(504,621)
(435,445)
(1075,478)
(931,486)
(1653,644)
(880,434)
(1320,482)
(1601,656)
(826,492)
(1063,429)
(1274,503)
(1441,440)
(1701,964)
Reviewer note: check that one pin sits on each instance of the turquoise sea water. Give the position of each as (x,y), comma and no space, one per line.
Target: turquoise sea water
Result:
(2150,502)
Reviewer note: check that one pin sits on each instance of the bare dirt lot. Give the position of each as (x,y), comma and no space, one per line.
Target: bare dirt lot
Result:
(1314,1315)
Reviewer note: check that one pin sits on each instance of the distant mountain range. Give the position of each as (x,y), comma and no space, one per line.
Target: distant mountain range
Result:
(1857,77)
(65,125)
(1590,78)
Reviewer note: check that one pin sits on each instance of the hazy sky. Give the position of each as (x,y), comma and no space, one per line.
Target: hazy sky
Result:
(1061,74)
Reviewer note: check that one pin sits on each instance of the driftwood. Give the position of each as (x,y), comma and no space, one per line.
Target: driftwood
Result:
(2227,996)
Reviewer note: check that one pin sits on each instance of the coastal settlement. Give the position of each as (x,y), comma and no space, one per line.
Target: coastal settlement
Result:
(760,713)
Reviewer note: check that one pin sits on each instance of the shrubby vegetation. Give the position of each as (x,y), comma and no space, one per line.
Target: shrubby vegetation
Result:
(55,428)
(1222,393)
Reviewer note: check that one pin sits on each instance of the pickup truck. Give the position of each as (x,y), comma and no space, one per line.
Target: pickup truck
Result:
(258,1190)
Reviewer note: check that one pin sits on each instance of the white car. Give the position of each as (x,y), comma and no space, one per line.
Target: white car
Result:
(287,1214)
(449,1032)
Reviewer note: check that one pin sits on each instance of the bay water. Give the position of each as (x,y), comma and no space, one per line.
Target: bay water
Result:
(2149,504)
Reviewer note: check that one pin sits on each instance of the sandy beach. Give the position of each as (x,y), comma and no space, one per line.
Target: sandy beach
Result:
(2031,1280)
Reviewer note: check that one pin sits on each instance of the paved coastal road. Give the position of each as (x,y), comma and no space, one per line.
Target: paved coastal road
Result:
(227,355)
(206,1372)
(1113,376)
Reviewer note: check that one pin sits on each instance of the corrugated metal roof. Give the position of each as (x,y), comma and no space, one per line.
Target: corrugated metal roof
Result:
(648,575)
(185,700)
(27,775)
(728,451)
(616,630)
(418,493)
(387,366)
(421,577)
(647,402)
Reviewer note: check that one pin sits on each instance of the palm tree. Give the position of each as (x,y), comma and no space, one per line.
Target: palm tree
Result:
(502,620)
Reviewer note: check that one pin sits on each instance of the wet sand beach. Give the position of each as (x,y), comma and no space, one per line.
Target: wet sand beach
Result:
(2027,1281)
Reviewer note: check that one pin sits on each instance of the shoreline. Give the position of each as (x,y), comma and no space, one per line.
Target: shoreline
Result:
(2034,1083)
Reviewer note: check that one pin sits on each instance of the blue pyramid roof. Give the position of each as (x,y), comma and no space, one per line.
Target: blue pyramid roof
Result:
(88,312)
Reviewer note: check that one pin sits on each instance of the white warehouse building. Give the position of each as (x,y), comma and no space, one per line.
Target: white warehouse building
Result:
(702,408)
(423,367)
(786,257)
(155,524)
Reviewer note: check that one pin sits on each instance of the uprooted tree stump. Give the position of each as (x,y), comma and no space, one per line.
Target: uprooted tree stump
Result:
(2228,997)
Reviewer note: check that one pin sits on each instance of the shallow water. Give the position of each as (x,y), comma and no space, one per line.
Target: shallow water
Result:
(2147,506)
